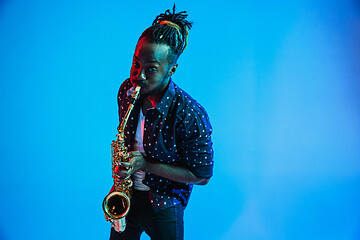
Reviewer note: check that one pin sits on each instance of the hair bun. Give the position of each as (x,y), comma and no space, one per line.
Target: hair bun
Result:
(170,28)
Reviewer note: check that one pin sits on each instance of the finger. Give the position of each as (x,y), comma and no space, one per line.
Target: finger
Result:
(125,165)
(122,167)
(134,154)
(122,175)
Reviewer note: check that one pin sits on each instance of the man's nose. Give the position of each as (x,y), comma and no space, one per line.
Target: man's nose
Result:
(141,75)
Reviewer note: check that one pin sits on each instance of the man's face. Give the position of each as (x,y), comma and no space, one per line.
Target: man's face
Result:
(150,68)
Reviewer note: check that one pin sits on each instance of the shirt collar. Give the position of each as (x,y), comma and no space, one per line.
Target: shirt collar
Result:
(164,104)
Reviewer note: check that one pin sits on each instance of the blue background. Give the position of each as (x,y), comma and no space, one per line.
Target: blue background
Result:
(279,79)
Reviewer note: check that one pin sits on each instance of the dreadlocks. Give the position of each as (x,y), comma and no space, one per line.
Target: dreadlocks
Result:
(170,29)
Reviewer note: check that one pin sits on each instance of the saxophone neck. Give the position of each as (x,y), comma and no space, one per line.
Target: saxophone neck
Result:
(135,95)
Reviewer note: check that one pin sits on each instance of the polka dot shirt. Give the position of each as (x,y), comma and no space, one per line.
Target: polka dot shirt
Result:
(176,132)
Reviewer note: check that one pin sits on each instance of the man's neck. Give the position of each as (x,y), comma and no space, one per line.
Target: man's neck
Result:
(152,100)
(147,104)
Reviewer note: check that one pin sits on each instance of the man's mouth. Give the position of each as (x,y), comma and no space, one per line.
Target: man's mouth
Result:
(136,82)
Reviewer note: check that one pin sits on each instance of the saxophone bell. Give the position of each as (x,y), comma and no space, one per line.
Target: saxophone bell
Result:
(116,206)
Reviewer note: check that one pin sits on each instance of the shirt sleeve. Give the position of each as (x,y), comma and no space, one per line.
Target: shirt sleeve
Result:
(195,145)
(123,99)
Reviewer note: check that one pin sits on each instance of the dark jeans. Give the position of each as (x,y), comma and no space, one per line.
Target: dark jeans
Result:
(167,224)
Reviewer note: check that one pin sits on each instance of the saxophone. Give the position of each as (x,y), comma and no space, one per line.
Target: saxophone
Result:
(116,205)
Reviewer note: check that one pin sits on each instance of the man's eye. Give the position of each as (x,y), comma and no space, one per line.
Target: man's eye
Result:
(151,69)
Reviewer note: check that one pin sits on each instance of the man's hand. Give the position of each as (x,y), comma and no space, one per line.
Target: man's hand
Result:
(126,169)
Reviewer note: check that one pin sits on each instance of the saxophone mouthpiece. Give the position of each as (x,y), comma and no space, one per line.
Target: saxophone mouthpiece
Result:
(134,91)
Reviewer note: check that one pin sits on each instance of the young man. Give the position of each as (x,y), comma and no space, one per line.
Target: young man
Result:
(168,134)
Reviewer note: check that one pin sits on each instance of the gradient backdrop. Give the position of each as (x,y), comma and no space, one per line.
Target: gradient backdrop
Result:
(279,79)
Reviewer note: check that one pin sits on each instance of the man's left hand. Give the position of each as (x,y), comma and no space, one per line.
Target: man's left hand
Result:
(136,162)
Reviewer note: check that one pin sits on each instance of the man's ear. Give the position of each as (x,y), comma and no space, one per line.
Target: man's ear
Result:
(173,69)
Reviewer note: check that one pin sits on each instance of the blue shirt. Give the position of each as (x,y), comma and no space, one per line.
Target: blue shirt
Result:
(176,132)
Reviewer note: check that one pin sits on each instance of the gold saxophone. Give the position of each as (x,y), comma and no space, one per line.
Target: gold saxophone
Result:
(116,205)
